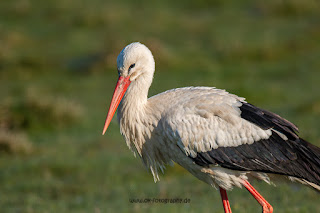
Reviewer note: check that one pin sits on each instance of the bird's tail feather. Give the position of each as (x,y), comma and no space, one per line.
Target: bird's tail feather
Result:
(310,155)
(305,182)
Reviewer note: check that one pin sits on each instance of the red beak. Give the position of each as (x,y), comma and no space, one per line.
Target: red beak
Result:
(121,88)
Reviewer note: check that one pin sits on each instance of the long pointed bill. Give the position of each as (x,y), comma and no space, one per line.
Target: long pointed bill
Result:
(121,88)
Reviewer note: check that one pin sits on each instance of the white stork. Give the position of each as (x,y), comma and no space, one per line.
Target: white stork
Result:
(217,136)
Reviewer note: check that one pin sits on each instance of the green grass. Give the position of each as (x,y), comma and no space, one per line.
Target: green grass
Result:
(58,72)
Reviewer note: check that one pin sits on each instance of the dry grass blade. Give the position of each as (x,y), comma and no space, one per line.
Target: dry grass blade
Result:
(14,143)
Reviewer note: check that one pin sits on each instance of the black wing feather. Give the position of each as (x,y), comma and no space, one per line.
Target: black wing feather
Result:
(266,120)
(293,157)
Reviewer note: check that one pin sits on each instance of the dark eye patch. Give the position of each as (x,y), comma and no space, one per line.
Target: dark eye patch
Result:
(132,66)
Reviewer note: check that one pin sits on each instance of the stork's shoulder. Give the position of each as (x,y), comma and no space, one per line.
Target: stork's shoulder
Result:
(193,96)
(196,103)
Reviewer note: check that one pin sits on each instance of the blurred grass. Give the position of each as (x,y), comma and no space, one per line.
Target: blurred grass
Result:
(58,71)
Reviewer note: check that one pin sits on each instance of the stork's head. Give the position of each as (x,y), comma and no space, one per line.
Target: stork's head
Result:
(135,63)
(134,60)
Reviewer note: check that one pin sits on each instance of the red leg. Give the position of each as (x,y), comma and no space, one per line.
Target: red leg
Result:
(267,208)
(225,201)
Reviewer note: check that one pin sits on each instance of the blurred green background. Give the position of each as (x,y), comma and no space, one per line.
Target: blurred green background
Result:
(58,72)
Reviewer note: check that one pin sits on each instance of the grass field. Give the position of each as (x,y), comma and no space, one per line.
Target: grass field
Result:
(58,72)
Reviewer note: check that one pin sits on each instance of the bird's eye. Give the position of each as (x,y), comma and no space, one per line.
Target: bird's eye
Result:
(131,66)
